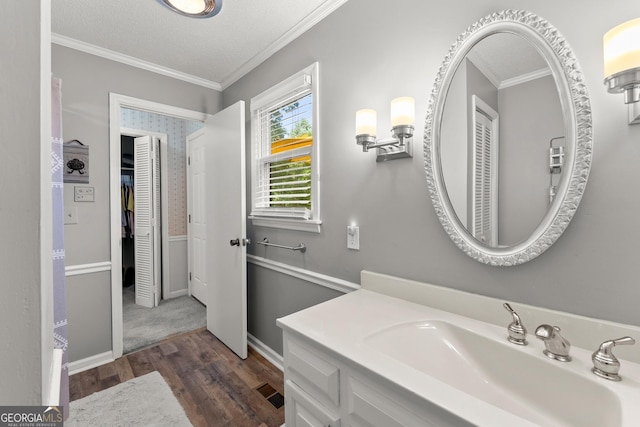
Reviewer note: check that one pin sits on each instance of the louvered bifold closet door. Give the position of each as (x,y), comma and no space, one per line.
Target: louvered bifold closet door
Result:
(144,233)
(157,237)
(482,181)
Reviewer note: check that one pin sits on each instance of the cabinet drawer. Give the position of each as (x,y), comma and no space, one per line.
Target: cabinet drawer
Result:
(303,411)
(313,372)
(374,406)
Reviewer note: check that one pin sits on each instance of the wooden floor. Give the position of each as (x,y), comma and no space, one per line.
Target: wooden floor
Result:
(213,385)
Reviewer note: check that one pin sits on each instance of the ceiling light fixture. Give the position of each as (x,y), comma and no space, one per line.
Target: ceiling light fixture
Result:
(194,8)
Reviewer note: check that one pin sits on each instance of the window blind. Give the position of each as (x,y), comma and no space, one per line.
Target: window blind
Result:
(284,156)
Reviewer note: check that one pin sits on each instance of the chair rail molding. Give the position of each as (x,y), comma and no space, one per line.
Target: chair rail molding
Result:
(306,275)
(95,267)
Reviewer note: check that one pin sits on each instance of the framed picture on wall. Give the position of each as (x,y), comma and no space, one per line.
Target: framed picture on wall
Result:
(76,162)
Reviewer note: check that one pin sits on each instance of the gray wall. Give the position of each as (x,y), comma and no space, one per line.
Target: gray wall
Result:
(454,153)
(270,296)
(591,270)
(87,81)
(530,115)
(20,305)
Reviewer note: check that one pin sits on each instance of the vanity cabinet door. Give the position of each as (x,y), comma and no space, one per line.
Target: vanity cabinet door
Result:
(301,410)
(313,371)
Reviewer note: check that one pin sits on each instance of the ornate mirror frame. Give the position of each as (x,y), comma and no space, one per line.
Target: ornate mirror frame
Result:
(574,99)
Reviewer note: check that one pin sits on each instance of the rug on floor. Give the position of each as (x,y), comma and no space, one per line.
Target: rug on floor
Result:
(141,401)
(143,326)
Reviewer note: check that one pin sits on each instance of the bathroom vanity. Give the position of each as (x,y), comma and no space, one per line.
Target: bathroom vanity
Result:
(404,353)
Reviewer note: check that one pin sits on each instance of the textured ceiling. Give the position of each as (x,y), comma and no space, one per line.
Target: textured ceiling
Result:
(505,57)
(218,49)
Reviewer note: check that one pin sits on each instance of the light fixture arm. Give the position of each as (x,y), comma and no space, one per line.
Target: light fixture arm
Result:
(396,147)
(368,142)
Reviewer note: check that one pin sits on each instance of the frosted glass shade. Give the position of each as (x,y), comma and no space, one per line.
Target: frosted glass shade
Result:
(366,122)
(194,8)
(403,111)
(622,48)
(189,6)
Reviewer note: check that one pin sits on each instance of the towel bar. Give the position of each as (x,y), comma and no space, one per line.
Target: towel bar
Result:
(301,247)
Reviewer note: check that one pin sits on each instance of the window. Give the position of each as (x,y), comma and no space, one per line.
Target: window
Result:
(284,140)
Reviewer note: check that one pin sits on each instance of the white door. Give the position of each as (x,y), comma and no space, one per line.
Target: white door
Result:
(485,173)
(197,194)
(157,220)
(226,228)
(146,193)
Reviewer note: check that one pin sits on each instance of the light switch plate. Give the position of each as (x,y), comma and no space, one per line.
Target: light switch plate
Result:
(71,215)
(83,194)
(353,237)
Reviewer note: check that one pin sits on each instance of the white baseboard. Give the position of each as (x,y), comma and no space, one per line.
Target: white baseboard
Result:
(90,362)
(176,294)
(266,351)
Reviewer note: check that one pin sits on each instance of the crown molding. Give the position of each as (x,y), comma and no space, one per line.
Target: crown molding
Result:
(130,60)
(300,28)
(485,69)
(524,78)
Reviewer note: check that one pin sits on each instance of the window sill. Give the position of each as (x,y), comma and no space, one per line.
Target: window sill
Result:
(310,226)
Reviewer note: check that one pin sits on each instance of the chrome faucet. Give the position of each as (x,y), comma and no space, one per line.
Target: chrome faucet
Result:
(557,347)
(605,364)
(517,332)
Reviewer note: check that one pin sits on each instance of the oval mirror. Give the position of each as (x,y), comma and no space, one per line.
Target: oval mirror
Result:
(508,138)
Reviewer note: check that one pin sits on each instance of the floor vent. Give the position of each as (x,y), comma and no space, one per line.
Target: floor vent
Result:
(272,395)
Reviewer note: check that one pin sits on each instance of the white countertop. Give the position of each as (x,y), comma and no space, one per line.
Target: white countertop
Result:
(341,325)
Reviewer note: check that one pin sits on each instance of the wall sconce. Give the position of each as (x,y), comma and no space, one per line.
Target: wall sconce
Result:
(622,60)
(399,145)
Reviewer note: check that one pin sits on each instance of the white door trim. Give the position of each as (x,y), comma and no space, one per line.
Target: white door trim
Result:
(46,207)
(117,101)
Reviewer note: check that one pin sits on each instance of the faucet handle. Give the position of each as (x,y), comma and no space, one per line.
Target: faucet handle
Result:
(605,364)
(517,332)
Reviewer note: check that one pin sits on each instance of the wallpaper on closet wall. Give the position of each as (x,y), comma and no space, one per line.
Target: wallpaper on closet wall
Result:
(177,131)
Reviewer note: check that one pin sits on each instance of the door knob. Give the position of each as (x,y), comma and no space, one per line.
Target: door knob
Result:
(246,242)
(234,242)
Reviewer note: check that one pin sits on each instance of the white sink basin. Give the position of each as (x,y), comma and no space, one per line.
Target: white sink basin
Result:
(502,374)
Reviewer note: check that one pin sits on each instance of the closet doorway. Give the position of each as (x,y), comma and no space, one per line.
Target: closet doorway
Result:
(143,190)
(226,311)
(135,117)
(155,300)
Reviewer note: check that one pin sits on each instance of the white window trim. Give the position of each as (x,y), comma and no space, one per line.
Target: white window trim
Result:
(271,95)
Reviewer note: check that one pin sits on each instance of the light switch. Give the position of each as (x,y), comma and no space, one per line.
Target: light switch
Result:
(71,215)
(83,194)
(353,237)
